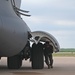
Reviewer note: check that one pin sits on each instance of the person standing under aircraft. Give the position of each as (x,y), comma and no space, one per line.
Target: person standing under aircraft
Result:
(48,50)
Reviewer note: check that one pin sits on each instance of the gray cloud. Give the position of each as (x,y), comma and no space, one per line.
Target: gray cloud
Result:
(54,16)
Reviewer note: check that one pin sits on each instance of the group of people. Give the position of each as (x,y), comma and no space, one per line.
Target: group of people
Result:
(47,51)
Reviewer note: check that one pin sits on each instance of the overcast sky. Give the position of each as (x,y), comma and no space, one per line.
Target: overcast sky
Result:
(56,17)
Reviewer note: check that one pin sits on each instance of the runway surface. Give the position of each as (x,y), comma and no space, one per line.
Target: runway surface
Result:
(62,66)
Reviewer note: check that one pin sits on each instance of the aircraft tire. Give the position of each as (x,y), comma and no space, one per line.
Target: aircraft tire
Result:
(14,62)
(37,59)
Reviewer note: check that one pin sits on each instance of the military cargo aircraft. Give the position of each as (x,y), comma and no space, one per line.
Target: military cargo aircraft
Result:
(15,33)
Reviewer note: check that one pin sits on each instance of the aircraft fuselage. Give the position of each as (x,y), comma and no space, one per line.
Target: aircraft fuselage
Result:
(13,30)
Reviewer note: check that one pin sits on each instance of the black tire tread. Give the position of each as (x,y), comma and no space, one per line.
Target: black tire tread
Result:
(14,62)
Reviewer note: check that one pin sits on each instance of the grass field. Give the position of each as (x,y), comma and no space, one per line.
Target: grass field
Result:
(69,54)
(65,52)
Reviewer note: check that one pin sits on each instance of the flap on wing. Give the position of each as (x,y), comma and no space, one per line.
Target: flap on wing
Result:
(43,37)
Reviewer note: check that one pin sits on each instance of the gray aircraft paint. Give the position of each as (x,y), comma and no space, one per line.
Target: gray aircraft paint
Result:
(13,30)
(43,37)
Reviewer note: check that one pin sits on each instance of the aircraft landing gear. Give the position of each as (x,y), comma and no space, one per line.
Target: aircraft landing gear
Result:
(37,59)
(14,62)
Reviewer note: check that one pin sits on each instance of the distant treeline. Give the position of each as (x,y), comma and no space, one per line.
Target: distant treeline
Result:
(67,50)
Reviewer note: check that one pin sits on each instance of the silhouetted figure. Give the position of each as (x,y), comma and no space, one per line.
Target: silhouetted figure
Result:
(48,50)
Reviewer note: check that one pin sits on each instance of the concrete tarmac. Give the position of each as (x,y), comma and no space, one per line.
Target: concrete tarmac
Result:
(62,66)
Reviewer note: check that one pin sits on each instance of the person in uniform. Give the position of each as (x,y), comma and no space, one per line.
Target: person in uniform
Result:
(48,50)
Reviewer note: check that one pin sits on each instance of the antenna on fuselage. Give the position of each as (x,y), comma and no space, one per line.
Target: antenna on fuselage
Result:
(19,11)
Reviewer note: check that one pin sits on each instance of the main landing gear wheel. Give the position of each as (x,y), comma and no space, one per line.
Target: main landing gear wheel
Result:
(37,59)
(14,62)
